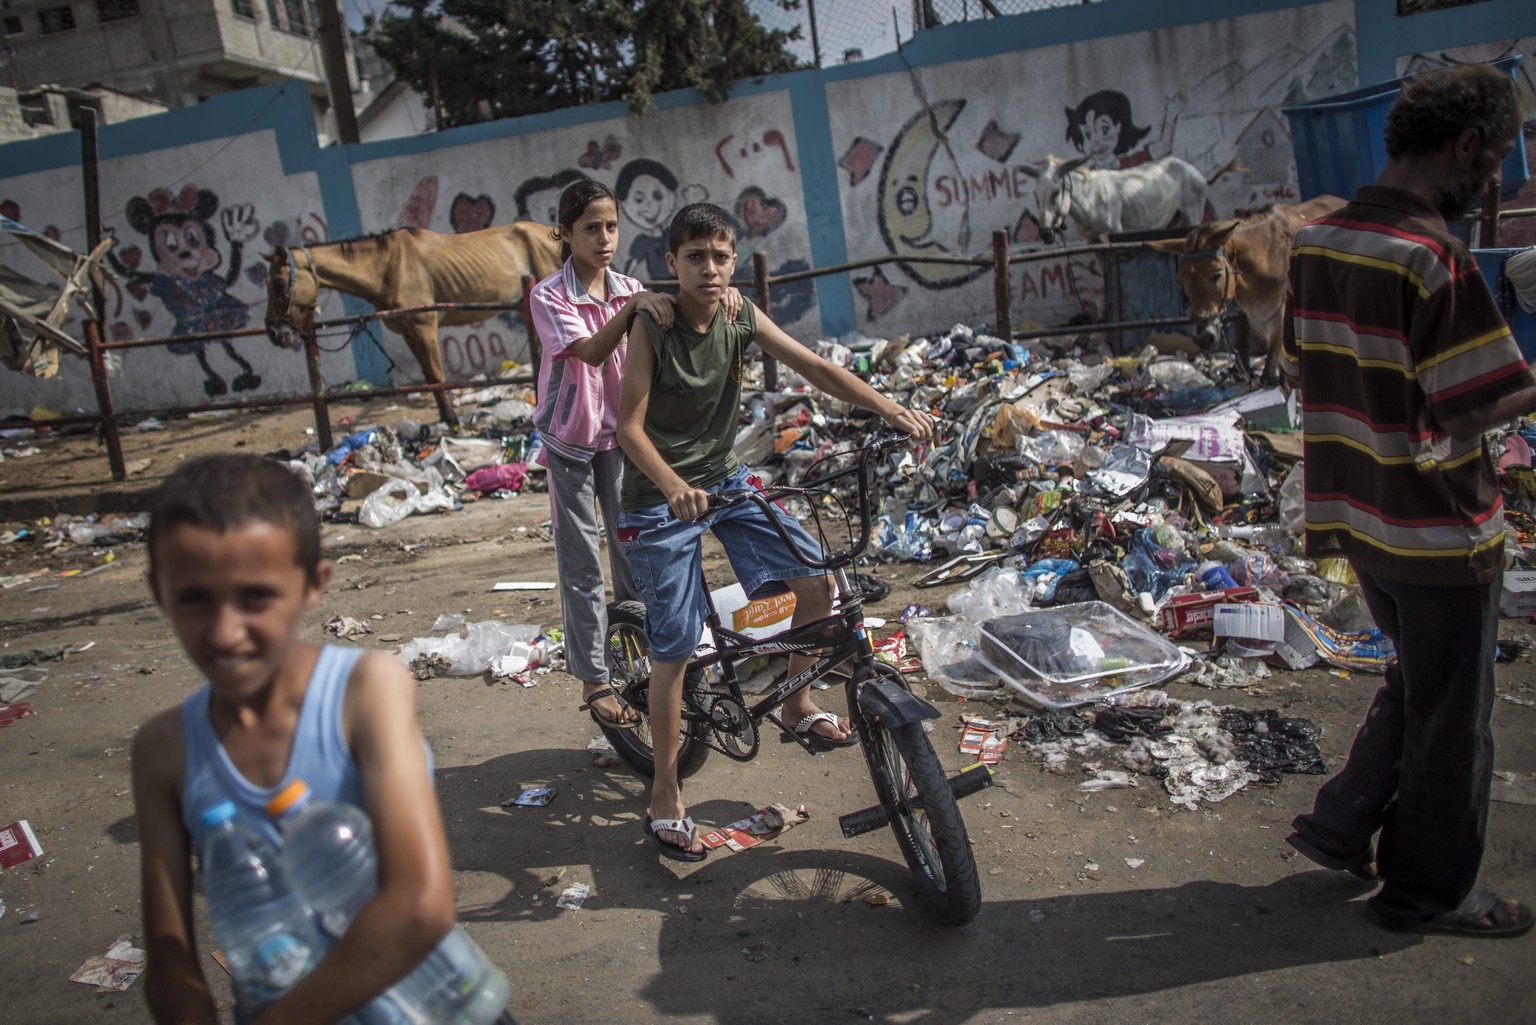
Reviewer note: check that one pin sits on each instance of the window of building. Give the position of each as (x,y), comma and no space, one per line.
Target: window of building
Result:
(11,25)
(1422,6)
(244,8)
(35,110)
(288,15)
(57,19)
(116,10)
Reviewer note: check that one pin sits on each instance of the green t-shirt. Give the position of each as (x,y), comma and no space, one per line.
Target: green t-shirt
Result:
(695,403)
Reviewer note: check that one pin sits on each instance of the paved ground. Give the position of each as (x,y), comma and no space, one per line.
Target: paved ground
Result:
(1218,922)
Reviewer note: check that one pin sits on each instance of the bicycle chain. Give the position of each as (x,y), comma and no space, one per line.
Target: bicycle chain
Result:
(732,731)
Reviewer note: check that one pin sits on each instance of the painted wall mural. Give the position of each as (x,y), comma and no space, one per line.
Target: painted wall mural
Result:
(740,156)
(189,222)
(957,163)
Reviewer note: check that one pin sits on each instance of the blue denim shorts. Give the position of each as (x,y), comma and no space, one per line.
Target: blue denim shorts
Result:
(666,560)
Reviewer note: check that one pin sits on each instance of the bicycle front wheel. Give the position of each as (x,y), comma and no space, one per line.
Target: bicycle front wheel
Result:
(923,813)
(629,667)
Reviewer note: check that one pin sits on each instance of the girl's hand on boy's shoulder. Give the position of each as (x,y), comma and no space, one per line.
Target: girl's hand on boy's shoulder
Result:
(916,422)
(731,301)
(661,307)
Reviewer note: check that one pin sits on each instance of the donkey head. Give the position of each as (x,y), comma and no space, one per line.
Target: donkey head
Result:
(1053,193)
(292,290)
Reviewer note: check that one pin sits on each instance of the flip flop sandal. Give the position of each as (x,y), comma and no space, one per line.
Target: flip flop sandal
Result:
(1466,920)
(1361,865)
(655,827)
(816,740)
(600,718)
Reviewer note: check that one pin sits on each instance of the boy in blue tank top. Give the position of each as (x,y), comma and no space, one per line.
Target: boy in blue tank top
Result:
(678,411)
(234,563)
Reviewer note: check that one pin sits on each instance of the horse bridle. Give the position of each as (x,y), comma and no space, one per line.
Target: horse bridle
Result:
(1061,206)
(1230,274)
(293,278)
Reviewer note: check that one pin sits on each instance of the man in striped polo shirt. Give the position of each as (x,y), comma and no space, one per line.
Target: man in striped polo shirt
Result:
(1403,361)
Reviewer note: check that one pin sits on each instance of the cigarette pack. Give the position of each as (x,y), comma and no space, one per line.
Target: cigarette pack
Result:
(17,844)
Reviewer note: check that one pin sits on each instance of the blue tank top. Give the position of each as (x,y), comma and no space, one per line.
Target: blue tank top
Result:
(320,755)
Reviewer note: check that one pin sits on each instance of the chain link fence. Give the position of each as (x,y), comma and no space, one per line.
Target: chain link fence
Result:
(841,31)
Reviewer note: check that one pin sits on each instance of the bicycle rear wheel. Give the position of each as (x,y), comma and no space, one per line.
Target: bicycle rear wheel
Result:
(629,667)
(923,812)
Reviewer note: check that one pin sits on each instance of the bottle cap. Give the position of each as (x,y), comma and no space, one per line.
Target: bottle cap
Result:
(288,798)
(218,814)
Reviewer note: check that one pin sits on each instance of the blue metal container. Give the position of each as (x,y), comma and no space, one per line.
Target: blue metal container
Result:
(1339,146)
(1521,323)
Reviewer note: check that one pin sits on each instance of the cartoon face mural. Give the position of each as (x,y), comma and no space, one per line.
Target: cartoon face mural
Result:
(906,213)
(1102,129)
(538,199)
(185,254)
(648,196)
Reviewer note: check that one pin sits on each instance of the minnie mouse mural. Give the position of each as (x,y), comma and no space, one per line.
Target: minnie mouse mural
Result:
(186,256)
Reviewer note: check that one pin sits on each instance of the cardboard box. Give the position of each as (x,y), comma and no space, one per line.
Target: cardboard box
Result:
(758,618)
(1186,614)
(1249,621)
(17,844)
(1519,595)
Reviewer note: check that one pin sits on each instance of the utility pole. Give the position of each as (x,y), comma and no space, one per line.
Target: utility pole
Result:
(333,48)
(810,7)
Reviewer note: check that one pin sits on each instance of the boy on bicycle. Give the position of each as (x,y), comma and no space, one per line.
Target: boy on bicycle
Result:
(678,411)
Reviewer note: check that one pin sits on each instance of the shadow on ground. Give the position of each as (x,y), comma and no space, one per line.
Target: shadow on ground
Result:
(781,923)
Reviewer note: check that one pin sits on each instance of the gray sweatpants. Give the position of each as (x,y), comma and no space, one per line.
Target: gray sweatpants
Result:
(576,492)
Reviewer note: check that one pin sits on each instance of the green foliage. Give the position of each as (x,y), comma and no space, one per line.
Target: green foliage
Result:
(477,60)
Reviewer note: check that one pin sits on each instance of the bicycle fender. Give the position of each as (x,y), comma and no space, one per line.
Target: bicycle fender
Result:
(893,706)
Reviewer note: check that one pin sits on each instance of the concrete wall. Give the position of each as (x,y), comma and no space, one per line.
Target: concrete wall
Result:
(908,153)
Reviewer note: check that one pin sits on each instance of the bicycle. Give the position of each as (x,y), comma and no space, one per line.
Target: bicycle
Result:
(916,799)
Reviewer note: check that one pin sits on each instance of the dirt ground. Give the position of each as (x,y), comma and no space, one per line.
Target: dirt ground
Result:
(1217,921)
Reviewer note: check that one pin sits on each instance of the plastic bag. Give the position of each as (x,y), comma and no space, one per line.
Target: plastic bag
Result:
(472,653)
(1154,567)
(390,503)
(1293,510)
(995,592)
(947,647)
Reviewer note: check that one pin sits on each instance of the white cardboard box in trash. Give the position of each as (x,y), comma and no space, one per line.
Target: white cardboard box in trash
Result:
(1519,595)
(758,618)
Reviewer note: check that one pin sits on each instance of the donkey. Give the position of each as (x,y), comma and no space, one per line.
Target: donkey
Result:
(1159,194)
(1243,260)
(410,267)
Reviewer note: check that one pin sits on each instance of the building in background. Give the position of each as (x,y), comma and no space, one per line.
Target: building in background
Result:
(46,109)
(174,52)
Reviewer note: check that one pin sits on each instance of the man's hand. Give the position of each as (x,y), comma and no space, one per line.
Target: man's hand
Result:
(688,503)
(915,422)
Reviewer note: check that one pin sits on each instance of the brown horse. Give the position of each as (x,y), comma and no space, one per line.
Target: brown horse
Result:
(1243,260)
(405,268)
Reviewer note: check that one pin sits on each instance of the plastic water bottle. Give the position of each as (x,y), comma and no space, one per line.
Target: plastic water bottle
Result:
(328,848)
(266,930)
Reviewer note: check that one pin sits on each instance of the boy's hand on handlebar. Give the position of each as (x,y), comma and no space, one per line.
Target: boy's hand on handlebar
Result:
(689,503)
(914,422)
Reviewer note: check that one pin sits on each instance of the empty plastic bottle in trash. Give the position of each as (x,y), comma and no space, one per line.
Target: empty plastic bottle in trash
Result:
(1215,575)
(1258,534)
(328,848)
(267,932)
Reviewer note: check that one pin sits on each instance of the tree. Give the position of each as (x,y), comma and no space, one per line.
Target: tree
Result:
(480,59)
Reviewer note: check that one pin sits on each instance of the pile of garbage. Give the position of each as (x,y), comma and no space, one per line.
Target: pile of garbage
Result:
(382,473)
(1158,488)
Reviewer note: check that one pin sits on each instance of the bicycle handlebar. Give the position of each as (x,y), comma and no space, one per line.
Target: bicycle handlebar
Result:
(881,441)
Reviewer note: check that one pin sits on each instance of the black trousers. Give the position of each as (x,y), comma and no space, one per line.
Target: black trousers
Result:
(1422,762)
